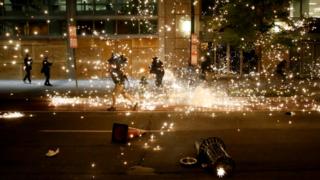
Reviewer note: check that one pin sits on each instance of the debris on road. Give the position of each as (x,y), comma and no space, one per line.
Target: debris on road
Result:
(213,156)
(135,132)
(290,113)
(121,133)
(141,170)
(188,161)
(52,153)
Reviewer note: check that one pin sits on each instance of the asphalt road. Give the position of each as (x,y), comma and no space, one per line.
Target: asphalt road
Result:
(263,145)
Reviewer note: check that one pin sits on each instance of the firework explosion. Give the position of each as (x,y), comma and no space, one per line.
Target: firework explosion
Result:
(258,89)
(195,95)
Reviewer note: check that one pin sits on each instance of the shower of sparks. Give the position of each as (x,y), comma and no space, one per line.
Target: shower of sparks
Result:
(182,89)
(249,92)
(179,95)
(174,94)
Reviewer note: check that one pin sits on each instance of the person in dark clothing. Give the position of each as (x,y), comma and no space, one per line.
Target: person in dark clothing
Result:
(27,68)
(157,68)
(116,67)
(46,65)
(281,68)
(205,67)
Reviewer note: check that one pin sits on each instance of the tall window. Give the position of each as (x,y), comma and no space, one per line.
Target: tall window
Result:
(305,8)
(85,6)
(314,8)
(113,27)
(117,7)
(120,17)
(33,7)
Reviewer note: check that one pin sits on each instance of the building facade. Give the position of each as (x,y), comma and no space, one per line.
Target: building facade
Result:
(305,62)
(307,59)
(138,29)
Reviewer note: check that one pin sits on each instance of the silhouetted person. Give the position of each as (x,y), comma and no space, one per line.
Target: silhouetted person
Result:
(46,65)
(117,65)
(281,69)
(143,82)
(142,87)
(27,68)
(157,69)
(205,67)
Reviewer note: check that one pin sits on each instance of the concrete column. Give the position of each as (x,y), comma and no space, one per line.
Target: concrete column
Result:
(228,58)
(195,23)
(215,56)
(161,30)
(71,59)
(241,62)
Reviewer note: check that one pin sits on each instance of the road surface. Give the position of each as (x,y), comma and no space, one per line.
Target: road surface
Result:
(264,145)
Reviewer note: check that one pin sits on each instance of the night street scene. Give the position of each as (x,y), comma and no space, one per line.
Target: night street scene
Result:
(159,89)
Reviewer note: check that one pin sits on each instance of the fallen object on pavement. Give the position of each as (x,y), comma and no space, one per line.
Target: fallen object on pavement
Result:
(213,156)
(52,153)
(121,133)
(188,161)
(290,113)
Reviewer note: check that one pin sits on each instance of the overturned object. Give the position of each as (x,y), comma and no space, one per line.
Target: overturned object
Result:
(213,156)
(121,133)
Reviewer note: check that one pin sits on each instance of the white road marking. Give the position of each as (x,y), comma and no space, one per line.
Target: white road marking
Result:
(90,131)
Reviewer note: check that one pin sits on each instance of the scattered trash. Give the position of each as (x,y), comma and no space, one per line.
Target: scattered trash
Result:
(52,153)
(121,133)
(290,113)
(212,155)
(188,161)
(141,170)
(135,132)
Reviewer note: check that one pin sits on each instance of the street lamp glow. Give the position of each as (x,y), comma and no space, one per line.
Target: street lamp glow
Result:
(185,26)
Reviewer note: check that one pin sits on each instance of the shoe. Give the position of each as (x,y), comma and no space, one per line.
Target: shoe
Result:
(135,107)
(111,108)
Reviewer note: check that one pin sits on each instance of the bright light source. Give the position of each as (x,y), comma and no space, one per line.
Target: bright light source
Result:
(276,29)
(280,26)
(221,172)
(185,26)
(141,70)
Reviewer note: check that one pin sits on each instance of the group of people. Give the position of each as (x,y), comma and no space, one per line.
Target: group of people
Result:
(117,66)
(46,65)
